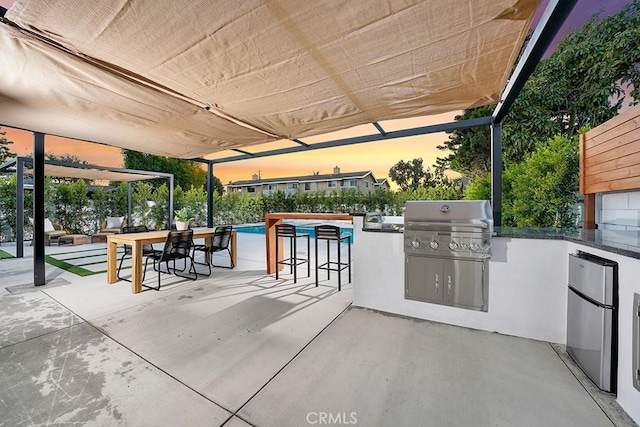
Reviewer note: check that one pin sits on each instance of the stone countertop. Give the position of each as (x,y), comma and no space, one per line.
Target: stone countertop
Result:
(621,242)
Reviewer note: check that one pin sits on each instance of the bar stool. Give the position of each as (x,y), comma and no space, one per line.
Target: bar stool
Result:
(288,231)
(332,233)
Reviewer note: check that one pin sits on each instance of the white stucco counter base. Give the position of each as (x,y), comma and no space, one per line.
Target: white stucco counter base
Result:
(527,286)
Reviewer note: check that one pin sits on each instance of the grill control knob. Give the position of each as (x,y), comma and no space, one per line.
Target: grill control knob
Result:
(433,244)
(453,246)
(415,244)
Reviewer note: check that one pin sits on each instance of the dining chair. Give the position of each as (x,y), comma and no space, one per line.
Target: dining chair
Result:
(220,242)
(177,246)
(146,249)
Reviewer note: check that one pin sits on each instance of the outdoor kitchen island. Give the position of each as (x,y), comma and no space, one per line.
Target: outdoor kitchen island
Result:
(527,288)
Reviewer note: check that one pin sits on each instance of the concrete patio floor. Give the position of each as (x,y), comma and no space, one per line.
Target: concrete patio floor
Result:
(242,348)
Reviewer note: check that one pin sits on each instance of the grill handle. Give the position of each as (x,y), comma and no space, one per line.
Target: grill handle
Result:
(448,224)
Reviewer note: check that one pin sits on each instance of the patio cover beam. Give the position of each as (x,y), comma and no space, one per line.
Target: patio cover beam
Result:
(380,129)
(496,173)
(39,276)
(20,208)
(550,23)
(170,211)
(209,195)
(424,130)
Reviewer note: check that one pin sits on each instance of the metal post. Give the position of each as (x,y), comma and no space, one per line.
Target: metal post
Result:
(38,209)
(210,195)
(496,173)
(129,204)
(170,212)
(20,207)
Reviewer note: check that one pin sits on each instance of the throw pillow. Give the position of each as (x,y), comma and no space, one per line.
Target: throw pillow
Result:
(48,226)
(114,221)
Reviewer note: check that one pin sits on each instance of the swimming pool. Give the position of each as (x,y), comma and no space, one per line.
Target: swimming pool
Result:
(259,229)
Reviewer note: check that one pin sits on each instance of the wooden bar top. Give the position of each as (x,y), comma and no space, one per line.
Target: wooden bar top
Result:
(307,215)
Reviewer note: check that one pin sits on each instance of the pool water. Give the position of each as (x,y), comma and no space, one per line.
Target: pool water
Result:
(259,229)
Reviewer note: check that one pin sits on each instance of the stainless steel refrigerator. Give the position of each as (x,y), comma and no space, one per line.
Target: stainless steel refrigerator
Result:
(592,317)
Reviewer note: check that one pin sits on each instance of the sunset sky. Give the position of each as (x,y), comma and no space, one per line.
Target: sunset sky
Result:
(375,156)
(378,157)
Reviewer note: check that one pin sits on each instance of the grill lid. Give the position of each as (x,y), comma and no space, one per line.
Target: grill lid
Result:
(432,214)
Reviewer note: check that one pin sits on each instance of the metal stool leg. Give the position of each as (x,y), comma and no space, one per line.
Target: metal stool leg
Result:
(316,256)
(349,253)
(339,265)
(308,256)
(328,259)
(277,264)
(294,258)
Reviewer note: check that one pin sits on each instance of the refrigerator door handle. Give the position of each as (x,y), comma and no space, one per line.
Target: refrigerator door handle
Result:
(591,300)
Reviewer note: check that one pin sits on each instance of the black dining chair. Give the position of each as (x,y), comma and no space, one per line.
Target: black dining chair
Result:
(220,242)
(177,246)
(146,249)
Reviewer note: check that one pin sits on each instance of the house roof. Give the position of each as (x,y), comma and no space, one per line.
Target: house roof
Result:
(188,78)
(304,178)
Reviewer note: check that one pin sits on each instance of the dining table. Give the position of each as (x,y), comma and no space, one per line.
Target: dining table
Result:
(138,240)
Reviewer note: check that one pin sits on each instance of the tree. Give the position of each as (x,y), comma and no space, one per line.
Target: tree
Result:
(140,196)
(411,174)
(196,200)
(466,145)
(581,82)
(544,186)
(479,188)
(118,200)
(217,185)
(66,157)
(159,207)
(100,199)
(5,153)
(8,207)
(71,203)
(186,173)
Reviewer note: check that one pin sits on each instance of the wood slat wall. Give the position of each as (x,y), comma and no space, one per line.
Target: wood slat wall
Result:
(610,155)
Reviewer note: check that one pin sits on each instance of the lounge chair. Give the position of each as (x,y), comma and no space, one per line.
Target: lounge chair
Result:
(52,231)
(113,224)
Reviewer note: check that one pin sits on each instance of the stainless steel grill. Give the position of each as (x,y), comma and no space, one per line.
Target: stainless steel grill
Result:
(447,245)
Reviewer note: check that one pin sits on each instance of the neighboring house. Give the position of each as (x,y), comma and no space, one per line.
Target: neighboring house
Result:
(364,182)
(382,183)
